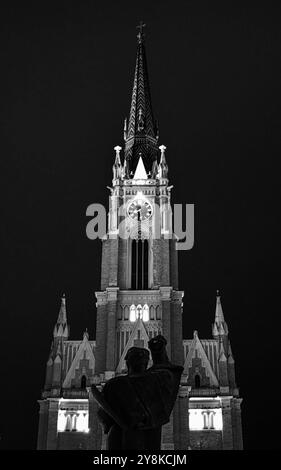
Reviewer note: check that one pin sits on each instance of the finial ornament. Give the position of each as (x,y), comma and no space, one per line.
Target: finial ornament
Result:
(218,292)
(140,34)
(162,148)
(117,148)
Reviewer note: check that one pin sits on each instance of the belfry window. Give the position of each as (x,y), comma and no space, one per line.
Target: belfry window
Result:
(139,277)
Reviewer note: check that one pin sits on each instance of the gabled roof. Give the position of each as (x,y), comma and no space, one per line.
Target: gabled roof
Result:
(84,351)
(196,346)
(143,335)
(140,173)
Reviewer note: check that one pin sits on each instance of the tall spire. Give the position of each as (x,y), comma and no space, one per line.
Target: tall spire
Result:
(220,326)
(140,134)
(61,328)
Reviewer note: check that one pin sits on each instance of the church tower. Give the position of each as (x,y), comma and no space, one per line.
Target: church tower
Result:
(139,298)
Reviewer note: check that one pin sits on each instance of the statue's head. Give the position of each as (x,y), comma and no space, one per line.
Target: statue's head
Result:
(157,343)
(137,360)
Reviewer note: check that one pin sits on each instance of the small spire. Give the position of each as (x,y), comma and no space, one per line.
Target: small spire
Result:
(141,34)
(162,148)
(117,149)
(61,327)
(62,312)
(163,167)
(222,356)
(117,167)
(220,326)
(219,317)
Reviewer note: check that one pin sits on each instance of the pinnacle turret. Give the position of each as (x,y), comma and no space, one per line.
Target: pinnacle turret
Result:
(220,326)
(61,328)
(163,167)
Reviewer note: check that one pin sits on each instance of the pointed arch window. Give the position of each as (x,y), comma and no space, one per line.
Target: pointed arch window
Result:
(68,426)
(197,381)
(74,422)
(139,267)
(133,313)
(140,311)
(126,312)
(83,382)
(158,313)
(145,313)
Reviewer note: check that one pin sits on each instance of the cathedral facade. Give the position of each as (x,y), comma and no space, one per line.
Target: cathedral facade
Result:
(139,298)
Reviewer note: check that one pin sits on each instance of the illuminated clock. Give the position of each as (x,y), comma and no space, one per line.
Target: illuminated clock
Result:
(139,209)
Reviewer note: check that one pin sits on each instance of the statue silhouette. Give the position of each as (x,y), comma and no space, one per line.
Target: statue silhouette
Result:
(134,407)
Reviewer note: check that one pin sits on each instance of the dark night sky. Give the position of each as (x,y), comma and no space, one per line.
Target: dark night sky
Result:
(66,79)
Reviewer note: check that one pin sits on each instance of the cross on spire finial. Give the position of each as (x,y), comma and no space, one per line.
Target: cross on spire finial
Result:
(140,34)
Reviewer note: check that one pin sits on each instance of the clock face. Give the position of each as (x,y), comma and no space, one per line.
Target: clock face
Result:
(139,209)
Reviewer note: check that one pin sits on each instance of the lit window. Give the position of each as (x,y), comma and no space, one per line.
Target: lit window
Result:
(200,419)
(73,421)
(139,312)
(133,314)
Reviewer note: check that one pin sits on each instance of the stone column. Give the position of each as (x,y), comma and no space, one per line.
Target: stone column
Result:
(101,332)
(43,424)
(237,424)
(52,424)
(112,294)
(165,294)
(95,428)
(183,428)
(177,352)
(227,434)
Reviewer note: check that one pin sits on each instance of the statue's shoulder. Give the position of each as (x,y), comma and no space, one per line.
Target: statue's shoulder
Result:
(116,382)
(166,366)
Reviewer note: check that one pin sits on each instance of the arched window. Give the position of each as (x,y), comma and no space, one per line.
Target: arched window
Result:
(139,311)
(134,265)
(120,311)
(74,421)
(68,426)
(126,312)
(211,419)
(83,382)
(152,312)
(133,314)
(145,265)
(145,313)
(158,314)
(139,277)
(197,381)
